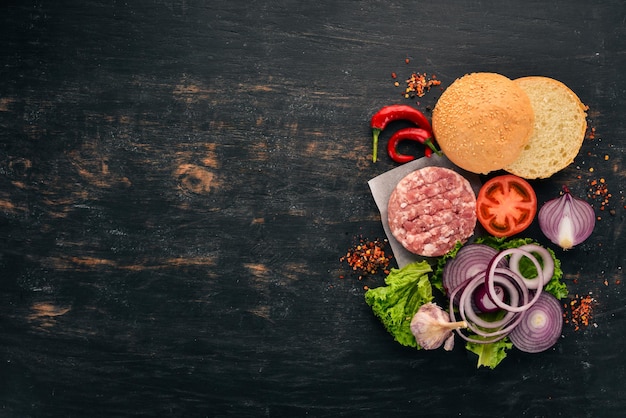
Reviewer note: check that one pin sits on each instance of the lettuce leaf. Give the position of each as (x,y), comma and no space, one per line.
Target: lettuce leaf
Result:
(437,280)
(503,243)
(396,303)
(489,355)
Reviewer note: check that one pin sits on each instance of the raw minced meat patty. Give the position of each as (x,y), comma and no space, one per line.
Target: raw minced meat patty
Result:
(431,209)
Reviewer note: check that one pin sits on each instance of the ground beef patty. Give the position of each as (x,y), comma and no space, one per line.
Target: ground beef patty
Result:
(431,209)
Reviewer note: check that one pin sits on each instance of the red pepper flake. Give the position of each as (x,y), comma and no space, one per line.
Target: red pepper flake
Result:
(591,134)
(394,75)
(368,257)
(418,84)
(598,193)
(579,311)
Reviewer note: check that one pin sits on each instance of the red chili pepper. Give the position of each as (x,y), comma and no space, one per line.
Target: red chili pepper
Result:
(408,134)
(392,113)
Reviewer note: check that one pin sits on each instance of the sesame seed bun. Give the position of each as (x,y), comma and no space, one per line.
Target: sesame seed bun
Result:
(559,131)
(482,122)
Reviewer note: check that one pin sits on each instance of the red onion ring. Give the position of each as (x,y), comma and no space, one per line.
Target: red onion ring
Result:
(465,307)
(540,327)
(481,302)
(548,264)
(470,260)
(453,317)
(512,319)
(493,267)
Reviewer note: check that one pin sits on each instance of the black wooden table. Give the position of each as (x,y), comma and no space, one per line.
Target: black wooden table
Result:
(179,180)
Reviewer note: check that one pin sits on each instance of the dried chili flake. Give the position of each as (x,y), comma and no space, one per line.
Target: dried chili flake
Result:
(598,193)
(591,134)
(368,257)
(579,311)
(418,84)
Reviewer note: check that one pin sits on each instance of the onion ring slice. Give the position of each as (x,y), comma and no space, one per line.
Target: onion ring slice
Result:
(493,267)
(473,317)
(546,258)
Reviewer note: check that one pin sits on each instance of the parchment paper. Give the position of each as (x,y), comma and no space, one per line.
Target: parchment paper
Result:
(383,185)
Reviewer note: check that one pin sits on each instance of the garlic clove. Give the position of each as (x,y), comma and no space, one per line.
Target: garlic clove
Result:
(432,328)
(448,345)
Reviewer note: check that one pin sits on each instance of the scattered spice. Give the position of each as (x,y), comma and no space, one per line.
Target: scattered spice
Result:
(418,84)
(368,257)
(598,193)
(591,133)
(579,311)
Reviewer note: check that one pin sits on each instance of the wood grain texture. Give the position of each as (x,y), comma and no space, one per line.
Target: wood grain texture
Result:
(179,179)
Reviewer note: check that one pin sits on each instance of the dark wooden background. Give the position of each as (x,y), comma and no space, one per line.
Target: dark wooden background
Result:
(179,179)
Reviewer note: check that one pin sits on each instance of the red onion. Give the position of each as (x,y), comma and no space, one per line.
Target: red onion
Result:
(483,302)
(493,268)
(547,262)
(567,220)
(483,327)
(540,327)
(471,259)
(461,291)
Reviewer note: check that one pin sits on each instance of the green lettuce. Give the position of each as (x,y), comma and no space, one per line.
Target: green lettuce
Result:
(437,279)
(489,355)
(396,303)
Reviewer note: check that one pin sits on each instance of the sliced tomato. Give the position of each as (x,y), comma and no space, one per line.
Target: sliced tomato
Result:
(506,205)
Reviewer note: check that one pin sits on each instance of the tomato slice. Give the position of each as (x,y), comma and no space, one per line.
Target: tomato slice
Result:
(506,205)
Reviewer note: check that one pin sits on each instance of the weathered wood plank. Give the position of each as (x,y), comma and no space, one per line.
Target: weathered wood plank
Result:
(178,180)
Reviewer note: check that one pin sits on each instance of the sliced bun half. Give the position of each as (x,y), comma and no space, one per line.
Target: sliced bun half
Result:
(559,128)
(482,122)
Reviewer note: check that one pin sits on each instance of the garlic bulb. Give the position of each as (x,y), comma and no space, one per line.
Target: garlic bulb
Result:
(431,327)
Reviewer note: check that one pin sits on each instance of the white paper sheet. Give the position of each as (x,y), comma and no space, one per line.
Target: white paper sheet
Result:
(383,185)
